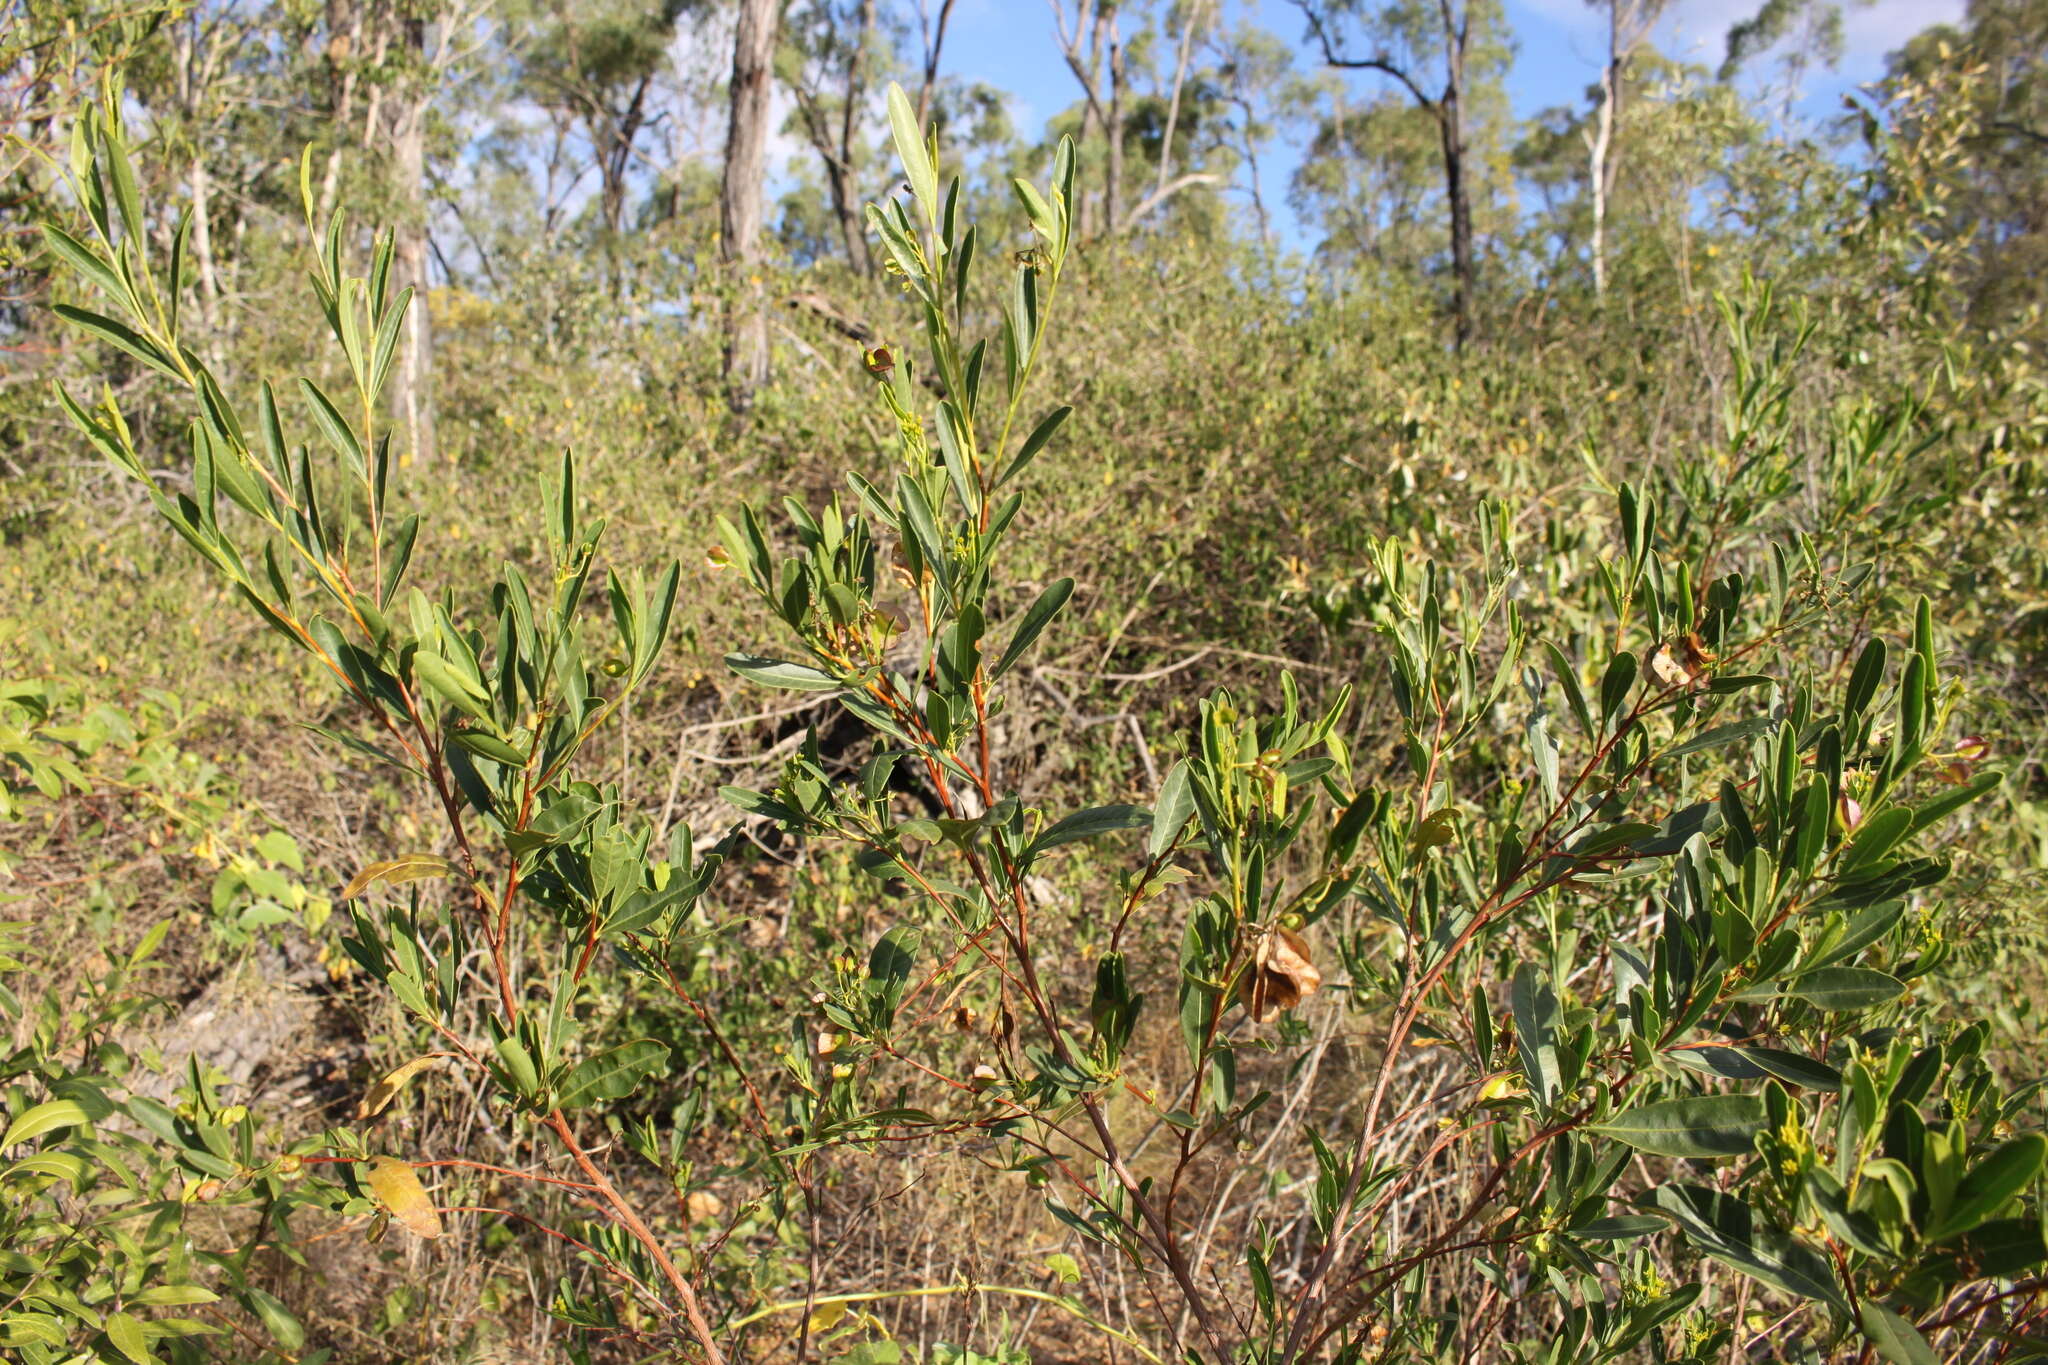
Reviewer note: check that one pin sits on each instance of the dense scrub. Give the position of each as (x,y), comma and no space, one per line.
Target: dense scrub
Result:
(1150,807)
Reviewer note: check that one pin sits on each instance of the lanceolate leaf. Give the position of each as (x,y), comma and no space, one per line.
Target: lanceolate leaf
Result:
(378,1097)
(1897,1340)
(612,1074)
(1701,1126)
(780,673)
(1730,1231)
(396,872)
(1088,824)
(1846,988)
(1176,804)
(1990,1184)
(1033,625)
(120,335)
(41,1119)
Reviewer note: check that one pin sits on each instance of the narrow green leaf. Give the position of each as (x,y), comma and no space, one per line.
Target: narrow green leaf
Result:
(120,335)
(338,432)
(781,673)
(1731,1232)
(1991,1184)
(911,151)
(1897,1340)
(1700,1126)
(1845,988)
(43,1118)
(1089,824)
(612,1074)
(1033,625)
(1170,816)
(86,262)
(1035,442)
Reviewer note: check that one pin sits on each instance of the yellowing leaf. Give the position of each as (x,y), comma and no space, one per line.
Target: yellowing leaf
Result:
(378,1097)
(412,867)
(398,1189)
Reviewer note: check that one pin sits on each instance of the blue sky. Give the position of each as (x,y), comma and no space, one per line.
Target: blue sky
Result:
(1560,44)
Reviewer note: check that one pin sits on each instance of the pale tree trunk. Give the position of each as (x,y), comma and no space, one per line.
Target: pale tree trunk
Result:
(193,75)
(1628,23)
(344,57)
(1180,80)
(1112,195)
(1093,116)
(1596,177)
(740,197)
(412,394)
(200,185)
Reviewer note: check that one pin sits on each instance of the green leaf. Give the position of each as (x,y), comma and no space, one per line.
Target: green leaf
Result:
(120,335)
(337,431)
(489,746)
(85,261)
(1731,1232)
(1949,802)
(1624,1228)
(277,1320)
(1088,824)
(1699,1126)
(1845,988)
(911,151)
(464,694)
(124,1330)
(43,1118)
(1895,1339)
(1723,734)
(1034,443)
(1991,1184)
(612,1074)
(1793,1068)
(780,673)
(1535,1009)
(1034,623)
(1176,805)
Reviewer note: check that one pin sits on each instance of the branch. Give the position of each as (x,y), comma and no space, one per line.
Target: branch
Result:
(1167,191)
(1383,64)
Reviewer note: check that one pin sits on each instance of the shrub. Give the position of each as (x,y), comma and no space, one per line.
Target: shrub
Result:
(1622,880)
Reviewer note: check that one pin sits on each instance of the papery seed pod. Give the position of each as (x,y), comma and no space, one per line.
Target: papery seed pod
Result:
(1281,976)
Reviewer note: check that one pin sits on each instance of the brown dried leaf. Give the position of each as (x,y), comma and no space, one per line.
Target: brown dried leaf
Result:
(1281,976)
(397,1187)
(378,1097)
(412,867)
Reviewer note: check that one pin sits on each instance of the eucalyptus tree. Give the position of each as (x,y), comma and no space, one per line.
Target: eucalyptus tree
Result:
(1439,54)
